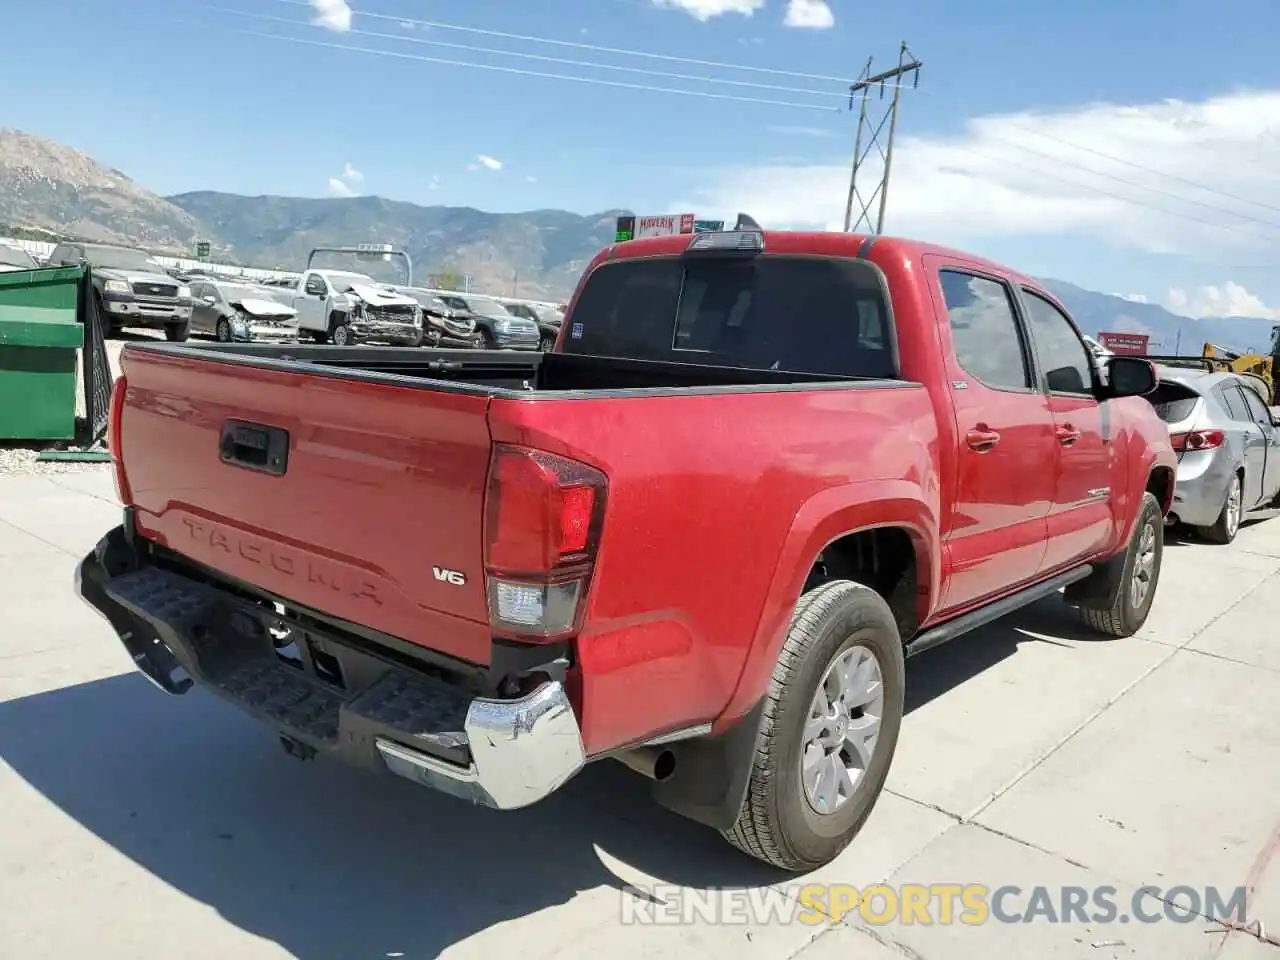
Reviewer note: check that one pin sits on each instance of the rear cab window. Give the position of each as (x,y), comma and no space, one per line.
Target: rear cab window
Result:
(1173,401)
(820,315)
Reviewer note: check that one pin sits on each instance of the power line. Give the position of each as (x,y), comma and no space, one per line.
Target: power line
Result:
(1132,183)
(618,84)
(1152,170)
(1114,196)
(401,38)
(596,48)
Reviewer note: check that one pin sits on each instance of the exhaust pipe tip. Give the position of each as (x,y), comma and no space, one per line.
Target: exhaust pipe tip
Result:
(656,763)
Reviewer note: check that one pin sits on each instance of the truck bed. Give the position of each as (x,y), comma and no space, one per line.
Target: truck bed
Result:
(493,372)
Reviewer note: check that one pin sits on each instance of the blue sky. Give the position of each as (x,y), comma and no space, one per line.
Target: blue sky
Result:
(177,94)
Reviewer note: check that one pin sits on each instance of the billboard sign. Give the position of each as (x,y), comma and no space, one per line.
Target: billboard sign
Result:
(663,225)
(1125,344)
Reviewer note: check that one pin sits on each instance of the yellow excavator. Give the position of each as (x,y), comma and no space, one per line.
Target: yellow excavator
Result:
(1257,369)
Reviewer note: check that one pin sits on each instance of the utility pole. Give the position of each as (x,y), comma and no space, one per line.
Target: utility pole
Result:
(871,128)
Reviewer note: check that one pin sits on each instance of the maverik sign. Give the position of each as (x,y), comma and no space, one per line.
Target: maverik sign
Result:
(662,225)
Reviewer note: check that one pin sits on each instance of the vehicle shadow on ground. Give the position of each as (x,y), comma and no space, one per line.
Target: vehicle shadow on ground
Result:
(331,862)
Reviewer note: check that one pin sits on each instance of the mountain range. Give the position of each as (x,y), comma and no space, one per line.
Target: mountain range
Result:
(49,189)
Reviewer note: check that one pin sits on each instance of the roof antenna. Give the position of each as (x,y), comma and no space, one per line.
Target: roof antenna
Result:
(745,222)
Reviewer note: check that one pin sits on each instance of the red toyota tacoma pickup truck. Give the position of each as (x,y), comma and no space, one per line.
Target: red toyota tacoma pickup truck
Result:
(701,536)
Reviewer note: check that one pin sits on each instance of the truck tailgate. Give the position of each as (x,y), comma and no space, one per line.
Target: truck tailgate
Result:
(381,484)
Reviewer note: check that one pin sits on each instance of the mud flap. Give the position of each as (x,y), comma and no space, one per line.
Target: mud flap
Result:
(709,782)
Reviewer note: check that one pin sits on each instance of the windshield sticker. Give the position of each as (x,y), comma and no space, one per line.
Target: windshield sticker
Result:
(576,332)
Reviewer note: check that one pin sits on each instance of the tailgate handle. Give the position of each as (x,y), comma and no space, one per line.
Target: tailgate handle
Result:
(254,446)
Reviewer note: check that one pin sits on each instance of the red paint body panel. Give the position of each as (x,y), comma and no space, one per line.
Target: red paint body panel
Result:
(704,493)
(383,482)
(718,503)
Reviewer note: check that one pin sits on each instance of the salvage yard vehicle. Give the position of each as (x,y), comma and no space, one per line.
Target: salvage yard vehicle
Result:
(547,319)
(132,289)
(344,308)
(444,326)
(700,537)
(241,312)
(1228,446)
(499,328)
(15,258)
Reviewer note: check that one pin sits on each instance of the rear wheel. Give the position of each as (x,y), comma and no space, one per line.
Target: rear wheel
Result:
(177,332)
(223,331)
(1126,601)
(341,334)
(1225,528)
(830,726)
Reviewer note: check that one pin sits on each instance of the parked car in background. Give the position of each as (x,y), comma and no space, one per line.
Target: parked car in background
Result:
(343,308)
(547,318)
(132,288)
(1228,446)
(15,258)
(236,311)
(443,326)
(499,328)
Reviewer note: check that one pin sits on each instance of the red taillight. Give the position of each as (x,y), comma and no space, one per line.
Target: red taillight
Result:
(115,416)
(1197,440)
(542,526)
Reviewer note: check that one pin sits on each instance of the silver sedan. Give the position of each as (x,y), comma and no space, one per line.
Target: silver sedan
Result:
(1228,446)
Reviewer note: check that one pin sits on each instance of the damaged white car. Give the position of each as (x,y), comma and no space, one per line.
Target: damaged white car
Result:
(343,308)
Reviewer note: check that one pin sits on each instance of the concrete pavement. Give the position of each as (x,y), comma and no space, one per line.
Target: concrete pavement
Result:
(1034,754)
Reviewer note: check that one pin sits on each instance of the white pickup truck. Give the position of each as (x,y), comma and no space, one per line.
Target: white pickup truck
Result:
(343,308)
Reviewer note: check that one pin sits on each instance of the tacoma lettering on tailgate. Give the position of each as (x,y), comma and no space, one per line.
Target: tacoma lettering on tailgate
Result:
(282,561)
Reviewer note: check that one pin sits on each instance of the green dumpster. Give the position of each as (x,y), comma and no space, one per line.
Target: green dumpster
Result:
(40,337)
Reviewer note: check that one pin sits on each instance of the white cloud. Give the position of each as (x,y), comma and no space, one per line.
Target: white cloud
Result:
(791,130)
(705,10)
(1228,300)
(351,174)
(1133,297)
(531,179)
(433,183)
(809,15)
(333,15)
(339,189)
(488,162)
(986,183)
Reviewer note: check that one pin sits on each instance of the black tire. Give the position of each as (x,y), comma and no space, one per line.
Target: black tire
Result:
(486,340)
(1224,529)
(222,332)
(547,343)
(319,337)
(777,823)
(177,332)
(1119,614)
(341,334)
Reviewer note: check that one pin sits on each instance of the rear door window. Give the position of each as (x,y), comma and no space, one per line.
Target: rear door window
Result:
(1258,411)
(800,314)
(984,330)
(1231,401)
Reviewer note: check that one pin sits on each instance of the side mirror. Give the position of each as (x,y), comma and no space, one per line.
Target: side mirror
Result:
(1130,377)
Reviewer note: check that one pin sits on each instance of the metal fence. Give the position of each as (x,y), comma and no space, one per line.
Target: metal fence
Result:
(95,365)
